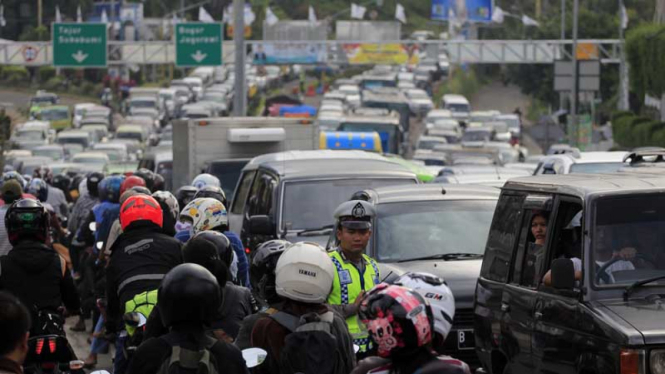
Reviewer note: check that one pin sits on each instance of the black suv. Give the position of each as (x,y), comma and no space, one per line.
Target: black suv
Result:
(572,277)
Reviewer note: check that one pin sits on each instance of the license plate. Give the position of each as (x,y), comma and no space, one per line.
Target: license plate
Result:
(466,340)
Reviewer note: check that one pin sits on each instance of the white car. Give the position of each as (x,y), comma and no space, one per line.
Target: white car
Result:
(197,85)
(443,124)
(582,162)
(429,142)
(91,160)
(419,101)
(79,111)
(406,76)
(438,114)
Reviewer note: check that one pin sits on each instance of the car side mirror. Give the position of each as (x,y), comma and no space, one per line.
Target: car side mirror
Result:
(260,225)
(563,274)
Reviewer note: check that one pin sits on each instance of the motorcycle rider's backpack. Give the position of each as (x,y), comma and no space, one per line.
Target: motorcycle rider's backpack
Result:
(310,348)
(186,361)
(142,303)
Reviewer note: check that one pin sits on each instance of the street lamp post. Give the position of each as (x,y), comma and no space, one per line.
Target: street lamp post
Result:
(573,111)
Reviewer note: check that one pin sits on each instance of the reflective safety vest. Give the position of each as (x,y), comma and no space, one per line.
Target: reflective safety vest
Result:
(347,285)
(142,303)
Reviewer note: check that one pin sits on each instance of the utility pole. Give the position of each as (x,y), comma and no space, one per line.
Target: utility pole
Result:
(112,19)
(239,38)
(623,67)
(39,13)
(563,37)
(572,138)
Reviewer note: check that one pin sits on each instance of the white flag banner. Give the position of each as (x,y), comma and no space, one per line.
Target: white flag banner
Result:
(3,21)
(358,11)
(400,15)
(58,16)
(624,17)
(312,15)
(79,17)
(498,15)
(249,15)
(528,21)
(271,18)
(105,18)
(204,16)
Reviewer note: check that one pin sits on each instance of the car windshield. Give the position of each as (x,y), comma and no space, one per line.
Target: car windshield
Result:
(73,140)
(54,115)
(310,204)
(30,134)
(129,135)
(432,227)
(142,104)
(596,167)
(51,153)
(639,228)
(114,154)
(476,136)
(89,160)
(228,173)
(430,144)
(458,108)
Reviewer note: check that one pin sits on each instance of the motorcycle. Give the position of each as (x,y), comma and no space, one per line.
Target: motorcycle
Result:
(51,354)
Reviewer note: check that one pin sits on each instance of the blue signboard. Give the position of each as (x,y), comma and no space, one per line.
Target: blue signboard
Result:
(464,10)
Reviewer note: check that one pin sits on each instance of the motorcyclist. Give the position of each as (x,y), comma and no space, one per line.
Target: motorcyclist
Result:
(214,192)
(106,211)
(147,175)
(140,258)
(171,210)
(11,191)
(185,194)
(62,182)
(303,278)
(262,274)
(210,214)
(401,324)
(56,197)
(189,298)
(88,197)
(33,271)
(206,179)
(15,326)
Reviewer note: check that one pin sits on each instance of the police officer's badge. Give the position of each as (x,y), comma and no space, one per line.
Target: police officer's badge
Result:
(358,211)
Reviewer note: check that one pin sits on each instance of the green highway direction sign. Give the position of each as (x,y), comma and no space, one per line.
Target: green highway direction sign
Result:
(79,45)
(198,44)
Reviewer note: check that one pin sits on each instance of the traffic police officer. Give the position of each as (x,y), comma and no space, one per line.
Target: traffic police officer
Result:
(355,271)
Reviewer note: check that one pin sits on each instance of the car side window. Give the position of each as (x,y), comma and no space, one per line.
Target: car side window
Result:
(243,190)
(501,240)
(528,268)
(264,201)
(567,234)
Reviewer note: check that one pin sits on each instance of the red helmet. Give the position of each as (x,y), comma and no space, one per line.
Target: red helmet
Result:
(130,182)
(140,208)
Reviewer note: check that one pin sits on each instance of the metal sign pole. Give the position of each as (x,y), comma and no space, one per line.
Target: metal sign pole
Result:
(239,38)
(573,138)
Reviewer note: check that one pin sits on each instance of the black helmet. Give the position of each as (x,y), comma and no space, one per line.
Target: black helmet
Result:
(27,219)
(39,189)
(92,181)
(221,242)
(159,183)
(203,252)
(189,293)
(185,194)
(212,192)
(141,190)
(262,270)
(148,176)
(62,182)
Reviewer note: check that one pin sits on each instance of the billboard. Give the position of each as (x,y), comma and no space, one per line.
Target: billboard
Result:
(294,53)
(391,54)
(463,10)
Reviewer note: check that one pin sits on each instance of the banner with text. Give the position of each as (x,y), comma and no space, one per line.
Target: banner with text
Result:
(297,53)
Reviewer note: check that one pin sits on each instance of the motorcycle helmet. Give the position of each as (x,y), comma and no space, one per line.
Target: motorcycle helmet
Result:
(262,270)
(185,194)
(212,192)
(109,188)
(27,219)
(189,293)
(203,252)
(439,296)
(147,175)
(221,242)
(159,183)
(62,182)
(205,214)
(304,273)
(130,182)
(170,209)
(16,176)
(140,190)
(92,183)
(39,189)
(206,179)
(140,208)
(399,320)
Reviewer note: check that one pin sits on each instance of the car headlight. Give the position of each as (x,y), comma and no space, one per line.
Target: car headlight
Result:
(657,361)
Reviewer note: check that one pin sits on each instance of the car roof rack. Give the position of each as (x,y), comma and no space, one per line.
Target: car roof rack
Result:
(641,155)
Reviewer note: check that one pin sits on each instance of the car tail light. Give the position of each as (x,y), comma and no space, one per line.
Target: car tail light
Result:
(247,250)
(39,346)
(51,345)
(632,361)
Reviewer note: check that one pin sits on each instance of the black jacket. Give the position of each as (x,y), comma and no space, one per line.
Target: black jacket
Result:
(140,258)
(34,273)
(152,353)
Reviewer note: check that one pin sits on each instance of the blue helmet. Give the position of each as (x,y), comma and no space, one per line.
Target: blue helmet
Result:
(39,189)
(109,188)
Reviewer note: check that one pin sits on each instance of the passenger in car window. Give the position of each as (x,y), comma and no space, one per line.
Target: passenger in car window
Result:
(536,249)
(604,253)
(571,248)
